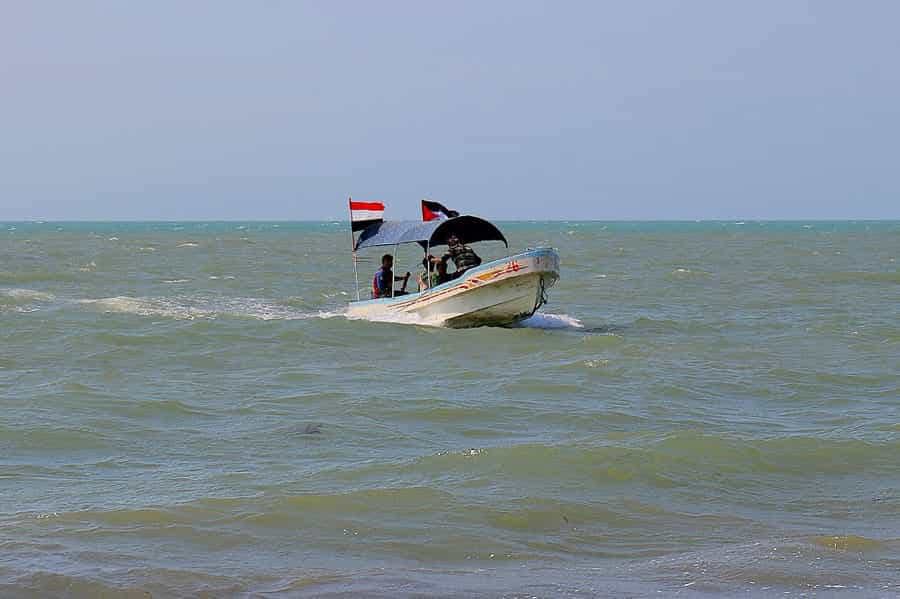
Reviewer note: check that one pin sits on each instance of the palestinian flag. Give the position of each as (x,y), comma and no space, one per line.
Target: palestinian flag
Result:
(434,210)
(363,214)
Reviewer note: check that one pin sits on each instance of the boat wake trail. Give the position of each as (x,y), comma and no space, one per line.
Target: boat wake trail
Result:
(199,308)
(203,308)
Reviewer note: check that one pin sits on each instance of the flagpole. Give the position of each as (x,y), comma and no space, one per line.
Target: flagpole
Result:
(427,254)
(353,249)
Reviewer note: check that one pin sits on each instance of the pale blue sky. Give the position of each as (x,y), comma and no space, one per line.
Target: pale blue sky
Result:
(601,110)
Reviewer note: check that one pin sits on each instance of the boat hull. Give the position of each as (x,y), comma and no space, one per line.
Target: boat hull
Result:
(498,293)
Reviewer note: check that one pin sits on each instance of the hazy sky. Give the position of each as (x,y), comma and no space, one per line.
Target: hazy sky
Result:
(605,110)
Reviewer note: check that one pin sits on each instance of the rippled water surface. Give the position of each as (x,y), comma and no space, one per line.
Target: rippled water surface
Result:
(702,407)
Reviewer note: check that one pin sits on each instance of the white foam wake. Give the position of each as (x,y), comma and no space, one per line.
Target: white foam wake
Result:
(23,300)
(551,321)
(18,295)
(202,308)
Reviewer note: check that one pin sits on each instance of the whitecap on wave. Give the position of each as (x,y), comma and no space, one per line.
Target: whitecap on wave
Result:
(688,273)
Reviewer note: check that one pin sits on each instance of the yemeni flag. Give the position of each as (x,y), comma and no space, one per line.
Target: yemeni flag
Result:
(434,210)
(363,214)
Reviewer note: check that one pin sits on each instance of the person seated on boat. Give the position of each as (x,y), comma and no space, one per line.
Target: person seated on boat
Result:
(438,274)
(462,255)
(423,276)
(383,282)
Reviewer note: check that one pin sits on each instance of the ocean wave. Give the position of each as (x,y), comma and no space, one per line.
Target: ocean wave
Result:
(853,277)
(663,462)
(854,543)
(795,455)
(50,437)
(35,276)
(157,409)
(277,510)
(771,567)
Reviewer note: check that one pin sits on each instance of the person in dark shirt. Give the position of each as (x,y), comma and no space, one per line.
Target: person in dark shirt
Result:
(383,282)
(462,255)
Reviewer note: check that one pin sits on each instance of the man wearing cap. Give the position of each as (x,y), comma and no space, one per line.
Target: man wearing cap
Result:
(462,255)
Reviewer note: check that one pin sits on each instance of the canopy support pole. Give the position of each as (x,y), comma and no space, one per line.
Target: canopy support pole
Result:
(355,273)
(428,263)
(393,275)
(353,253)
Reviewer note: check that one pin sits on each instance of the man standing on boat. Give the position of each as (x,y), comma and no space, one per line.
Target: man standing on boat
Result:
(383,282)
(462,255)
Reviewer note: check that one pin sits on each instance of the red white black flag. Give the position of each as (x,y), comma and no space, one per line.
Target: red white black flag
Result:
(363,214)
(434,210)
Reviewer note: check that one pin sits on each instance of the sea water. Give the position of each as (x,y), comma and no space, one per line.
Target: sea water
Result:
(702,407)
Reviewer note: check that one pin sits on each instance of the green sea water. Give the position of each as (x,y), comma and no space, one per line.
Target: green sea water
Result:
(702,408)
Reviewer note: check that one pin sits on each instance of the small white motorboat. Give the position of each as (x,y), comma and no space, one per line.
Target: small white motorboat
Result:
(497,293)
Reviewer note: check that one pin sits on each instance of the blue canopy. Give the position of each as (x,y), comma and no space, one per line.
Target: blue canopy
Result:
(469,229)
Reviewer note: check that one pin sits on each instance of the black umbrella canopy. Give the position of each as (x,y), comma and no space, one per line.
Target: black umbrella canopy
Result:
(469,229)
